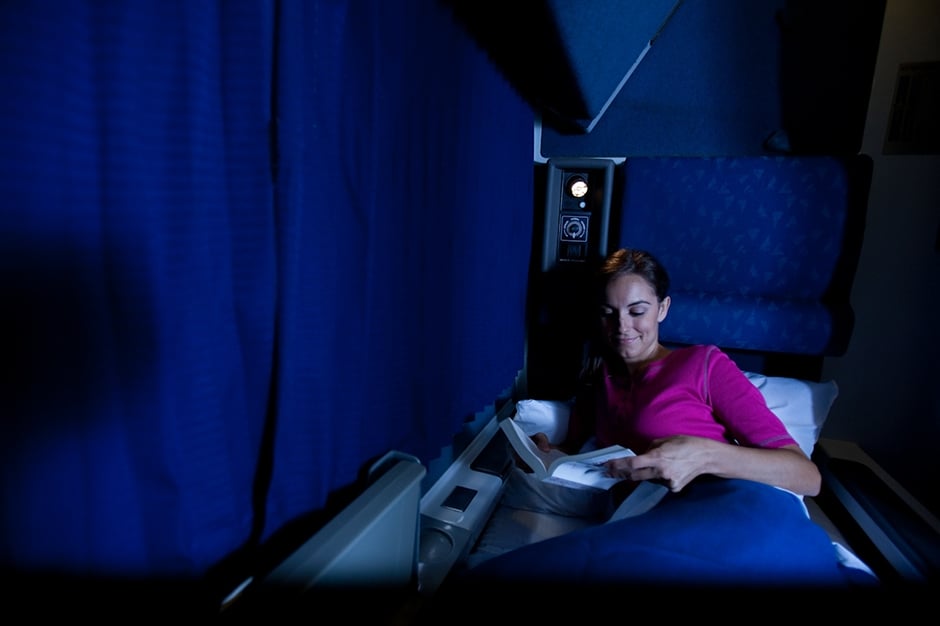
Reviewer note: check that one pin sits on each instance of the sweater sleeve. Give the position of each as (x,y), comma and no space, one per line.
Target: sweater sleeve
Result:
(740,406)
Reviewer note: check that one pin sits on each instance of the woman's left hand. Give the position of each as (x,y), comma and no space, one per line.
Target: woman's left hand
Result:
(672,461)
(677,461)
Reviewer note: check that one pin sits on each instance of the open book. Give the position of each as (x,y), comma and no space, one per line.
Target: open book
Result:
(581,471)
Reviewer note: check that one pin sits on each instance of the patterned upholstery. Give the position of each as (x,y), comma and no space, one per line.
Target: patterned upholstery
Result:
(762,250)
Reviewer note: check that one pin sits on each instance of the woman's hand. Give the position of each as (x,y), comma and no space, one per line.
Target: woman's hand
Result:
(673,461)
(542,442)
(677,461)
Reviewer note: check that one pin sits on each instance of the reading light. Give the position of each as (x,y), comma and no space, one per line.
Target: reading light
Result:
(577,186)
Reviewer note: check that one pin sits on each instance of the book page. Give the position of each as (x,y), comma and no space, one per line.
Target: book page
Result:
(582,475)
(529,452)
(579,470)
(601,455)
(591,471)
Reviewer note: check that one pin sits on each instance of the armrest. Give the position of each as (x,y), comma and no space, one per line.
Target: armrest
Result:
(885,526)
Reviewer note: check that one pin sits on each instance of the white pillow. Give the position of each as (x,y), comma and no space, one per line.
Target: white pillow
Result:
(801,405)
(544,416)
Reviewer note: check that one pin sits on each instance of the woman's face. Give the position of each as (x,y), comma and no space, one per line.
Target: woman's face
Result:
(630,317)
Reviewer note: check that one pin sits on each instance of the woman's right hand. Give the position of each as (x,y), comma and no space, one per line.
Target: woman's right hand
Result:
(542,442)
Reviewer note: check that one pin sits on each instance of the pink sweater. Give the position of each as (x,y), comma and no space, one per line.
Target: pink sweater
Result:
(696,390)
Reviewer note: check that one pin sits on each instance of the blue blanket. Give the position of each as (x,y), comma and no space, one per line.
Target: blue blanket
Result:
(715,532)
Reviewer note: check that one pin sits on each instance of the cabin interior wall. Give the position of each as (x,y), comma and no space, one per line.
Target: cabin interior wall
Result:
(889,400)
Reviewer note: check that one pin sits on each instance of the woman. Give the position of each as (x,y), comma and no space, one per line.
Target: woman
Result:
(685,412)
(732,514)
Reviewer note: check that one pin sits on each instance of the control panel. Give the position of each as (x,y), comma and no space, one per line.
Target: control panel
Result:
(577,210)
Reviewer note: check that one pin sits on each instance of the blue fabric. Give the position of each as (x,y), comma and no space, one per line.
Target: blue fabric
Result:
(761,250)
(714,533)
(404,210)
(137,267)
(245,249)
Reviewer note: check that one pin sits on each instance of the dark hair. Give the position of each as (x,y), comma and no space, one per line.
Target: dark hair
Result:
(632,261)
(618,263)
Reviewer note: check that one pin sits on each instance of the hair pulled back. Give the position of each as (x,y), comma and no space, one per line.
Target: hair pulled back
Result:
(633,261)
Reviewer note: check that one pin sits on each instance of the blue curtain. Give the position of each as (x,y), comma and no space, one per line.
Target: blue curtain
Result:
(245,247)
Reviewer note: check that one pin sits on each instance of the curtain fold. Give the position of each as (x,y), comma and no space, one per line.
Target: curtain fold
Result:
(405,221)
(138,272)
(245,247)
